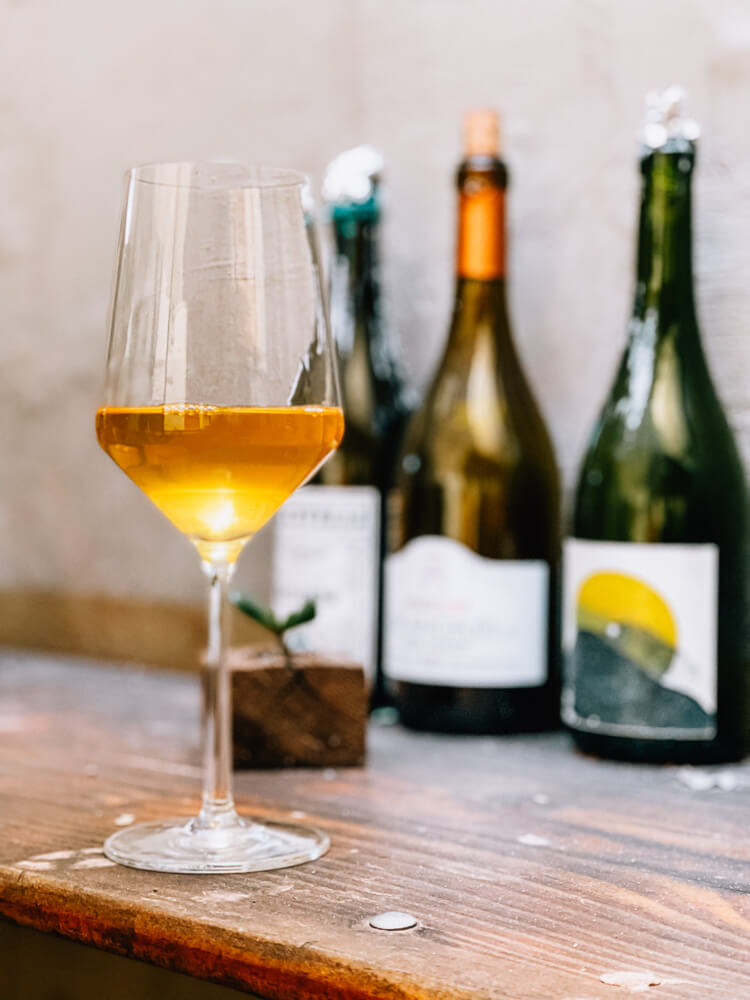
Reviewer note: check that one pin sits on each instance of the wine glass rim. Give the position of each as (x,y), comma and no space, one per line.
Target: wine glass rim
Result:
(215,175)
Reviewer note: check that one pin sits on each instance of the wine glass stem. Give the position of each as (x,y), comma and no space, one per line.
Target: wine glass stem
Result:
(218,809)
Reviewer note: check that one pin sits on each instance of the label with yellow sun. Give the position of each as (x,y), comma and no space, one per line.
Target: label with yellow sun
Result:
(639,639)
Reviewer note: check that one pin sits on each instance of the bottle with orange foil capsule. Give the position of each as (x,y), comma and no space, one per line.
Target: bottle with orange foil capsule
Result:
(470,623)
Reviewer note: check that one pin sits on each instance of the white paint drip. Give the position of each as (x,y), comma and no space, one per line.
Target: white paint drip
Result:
(220,896)
(531,840)
(282,888)
(162,766)
(124,819)
(636,981)
(700,780)
(94,863)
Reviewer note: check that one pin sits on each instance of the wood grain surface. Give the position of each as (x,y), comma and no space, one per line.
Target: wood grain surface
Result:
(534,873)
(309,710)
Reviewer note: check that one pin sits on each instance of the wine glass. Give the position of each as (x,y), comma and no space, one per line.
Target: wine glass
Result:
(221,397)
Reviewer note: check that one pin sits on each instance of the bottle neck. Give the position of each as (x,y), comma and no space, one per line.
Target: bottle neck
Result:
(355,231)
(664,285)
(480,250)
(664,353)
(370,379)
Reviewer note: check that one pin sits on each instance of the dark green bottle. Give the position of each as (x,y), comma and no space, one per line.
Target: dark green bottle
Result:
(376,399)
(655,575)
(330,535)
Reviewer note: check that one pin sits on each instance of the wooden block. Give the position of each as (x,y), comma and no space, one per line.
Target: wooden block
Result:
(311,710)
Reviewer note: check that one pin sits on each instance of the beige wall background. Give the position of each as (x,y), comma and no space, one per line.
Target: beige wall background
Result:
(89,88)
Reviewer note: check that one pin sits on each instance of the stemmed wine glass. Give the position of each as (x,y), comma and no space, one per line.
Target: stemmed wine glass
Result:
(220,399)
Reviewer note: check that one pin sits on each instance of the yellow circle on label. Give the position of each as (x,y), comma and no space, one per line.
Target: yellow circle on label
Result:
(626,600)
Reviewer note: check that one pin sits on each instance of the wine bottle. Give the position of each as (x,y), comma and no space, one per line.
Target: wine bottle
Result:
(329,537)
(473,519)
(654,596)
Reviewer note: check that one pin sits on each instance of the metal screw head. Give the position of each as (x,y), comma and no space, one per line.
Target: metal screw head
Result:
(393,921)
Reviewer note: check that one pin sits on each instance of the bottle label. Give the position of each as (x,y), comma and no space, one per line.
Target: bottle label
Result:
(457,619)
(327,547)
(640,639)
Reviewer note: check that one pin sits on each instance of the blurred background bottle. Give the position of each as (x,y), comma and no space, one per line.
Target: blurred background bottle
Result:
(655,582)
(329,537)
(473,518)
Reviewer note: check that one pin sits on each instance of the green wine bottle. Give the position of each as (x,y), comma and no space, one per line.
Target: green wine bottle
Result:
(473,518)
(329,536)
(655,575)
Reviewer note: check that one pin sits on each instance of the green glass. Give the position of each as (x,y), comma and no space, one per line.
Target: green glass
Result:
(372,387)
(477,466)
(373,391)
(330,539)
(662,465)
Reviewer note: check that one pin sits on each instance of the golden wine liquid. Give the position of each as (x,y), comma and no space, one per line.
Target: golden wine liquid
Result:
(218,473)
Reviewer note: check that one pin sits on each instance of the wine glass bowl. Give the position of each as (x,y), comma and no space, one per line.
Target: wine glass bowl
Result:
(221,397)
(218,473)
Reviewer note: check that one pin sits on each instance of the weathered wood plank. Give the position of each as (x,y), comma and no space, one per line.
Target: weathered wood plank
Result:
(117,628)
(37,966)
(533,871)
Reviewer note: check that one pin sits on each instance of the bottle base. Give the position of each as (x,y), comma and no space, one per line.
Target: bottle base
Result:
(475,711)
(656,751)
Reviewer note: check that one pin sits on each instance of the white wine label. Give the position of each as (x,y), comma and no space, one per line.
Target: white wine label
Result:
(456,619)
(327,547)
(640,639)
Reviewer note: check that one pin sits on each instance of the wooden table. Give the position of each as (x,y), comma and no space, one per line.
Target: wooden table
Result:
(534,873)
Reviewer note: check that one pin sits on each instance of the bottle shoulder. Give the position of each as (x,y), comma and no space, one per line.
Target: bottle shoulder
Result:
(666,470)
(374,395)
(666,406)
(445,465)
(478,403)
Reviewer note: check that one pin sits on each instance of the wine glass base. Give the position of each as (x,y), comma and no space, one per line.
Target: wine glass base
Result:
(177,845)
